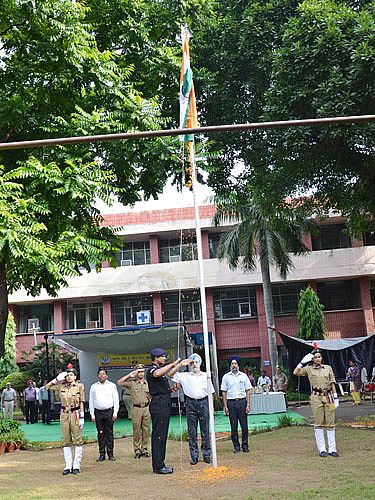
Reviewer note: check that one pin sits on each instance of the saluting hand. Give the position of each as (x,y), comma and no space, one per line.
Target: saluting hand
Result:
(186,362)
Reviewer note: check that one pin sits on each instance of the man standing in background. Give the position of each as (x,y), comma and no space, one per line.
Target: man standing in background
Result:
(30,400)
(8,400)
(140,397)
(104,405)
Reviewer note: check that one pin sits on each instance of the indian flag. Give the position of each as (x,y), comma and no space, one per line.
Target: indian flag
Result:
(188,107)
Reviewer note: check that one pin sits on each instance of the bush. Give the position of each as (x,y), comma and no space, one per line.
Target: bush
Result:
(10,432)
(17,379)
(285,421)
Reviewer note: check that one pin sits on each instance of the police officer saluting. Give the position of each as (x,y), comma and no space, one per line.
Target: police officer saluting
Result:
(160,406)
(72,417)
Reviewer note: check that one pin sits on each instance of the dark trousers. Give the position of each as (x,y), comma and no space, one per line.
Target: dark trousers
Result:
(197,411)
(44,411)
(237,412)
(104,426)
(160,409)
(31,412)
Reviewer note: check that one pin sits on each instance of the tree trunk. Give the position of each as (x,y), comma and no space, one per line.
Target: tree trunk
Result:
(270,317)
(3,306)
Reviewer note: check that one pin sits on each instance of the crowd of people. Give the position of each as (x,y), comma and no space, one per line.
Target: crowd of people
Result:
(150,401)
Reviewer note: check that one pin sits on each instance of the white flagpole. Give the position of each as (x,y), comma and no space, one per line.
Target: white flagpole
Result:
(203,304)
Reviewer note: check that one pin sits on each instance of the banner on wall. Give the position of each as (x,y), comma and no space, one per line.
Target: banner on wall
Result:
(126,361)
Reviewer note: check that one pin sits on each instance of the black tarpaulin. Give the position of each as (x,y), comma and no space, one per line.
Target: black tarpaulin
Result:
(336,353)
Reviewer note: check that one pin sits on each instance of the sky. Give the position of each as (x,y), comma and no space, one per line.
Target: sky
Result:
(170,198)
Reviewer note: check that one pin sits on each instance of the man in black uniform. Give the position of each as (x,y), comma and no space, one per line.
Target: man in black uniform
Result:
(160,406)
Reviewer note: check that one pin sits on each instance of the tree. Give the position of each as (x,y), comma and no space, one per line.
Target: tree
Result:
(8,360)
(280,60)
(34,361)
(310,316)
(259,234)
(55,81)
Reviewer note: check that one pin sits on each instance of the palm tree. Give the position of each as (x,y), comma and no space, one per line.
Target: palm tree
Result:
(267,235)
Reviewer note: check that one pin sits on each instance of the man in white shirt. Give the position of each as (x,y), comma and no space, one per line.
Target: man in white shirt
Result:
(264,381)
(8,400)
(104,405)
(235,387)
(196,387)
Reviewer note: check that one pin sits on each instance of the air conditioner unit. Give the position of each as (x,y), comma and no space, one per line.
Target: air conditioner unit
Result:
(127,262)
(174,258)
(92,324)
(32,324)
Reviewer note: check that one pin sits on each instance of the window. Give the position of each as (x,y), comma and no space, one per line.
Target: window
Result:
(43,313)
(136,253)
(372,292)
(331,236)
(124,309)
(174,250)
(213,243)
(336,295)
(235,303)
(369,238)
(85,316)
(190,306)
(285,297)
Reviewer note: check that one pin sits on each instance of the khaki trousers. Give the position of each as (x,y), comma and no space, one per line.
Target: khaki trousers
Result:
(72,434)
(324,416)
(141,428)
(8,409)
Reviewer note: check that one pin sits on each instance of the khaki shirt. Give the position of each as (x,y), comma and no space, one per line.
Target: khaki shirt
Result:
(70,395)
(321,378)
(139,391)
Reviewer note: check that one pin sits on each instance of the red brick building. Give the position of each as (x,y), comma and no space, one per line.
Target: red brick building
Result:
(158,261)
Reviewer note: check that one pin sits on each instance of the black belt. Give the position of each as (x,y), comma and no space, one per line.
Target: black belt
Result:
(97,409)
(70,408)
(141,406)
(8,400)
(194,399)
(237,399)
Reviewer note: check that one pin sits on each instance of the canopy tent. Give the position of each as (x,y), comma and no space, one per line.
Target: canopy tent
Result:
(128,340)
(89,345)
(336,353)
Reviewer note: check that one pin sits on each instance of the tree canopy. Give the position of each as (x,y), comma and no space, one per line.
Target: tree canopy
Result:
(280,60)
(65,71)
(310,316)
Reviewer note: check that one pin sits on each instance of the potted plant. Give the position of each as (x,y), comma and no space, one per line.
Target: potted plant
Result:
(11,435)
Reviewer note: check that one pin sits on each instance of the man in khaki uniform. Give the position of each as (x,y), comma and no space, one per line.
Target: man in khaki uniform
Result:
(72,396)
(135,382)
(324,399)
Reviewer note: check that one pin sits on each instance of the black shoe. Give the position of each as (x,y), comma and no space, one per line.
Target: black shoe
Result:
(111,458)
(137,454)
(323,454)
(76,471)
(245,450)
(194,462)
(101,458)
(145,454)
(207,460)
(236,450)
(164,470)
(66,472)
(333,454)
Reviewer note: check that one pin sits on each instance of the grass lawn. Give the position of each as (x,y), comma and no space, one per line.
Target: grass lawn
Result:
(282,464)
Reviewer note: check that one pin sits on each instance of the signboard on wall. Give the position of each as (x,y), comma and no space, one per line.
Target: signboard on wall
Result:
(126,361)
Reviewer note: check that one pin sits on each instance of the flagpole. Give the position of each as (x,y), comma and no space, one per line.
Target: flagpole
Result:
(203,304)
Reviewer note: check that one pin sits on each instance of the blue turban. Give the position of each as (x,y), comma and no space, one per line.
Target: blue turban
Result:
(196,357)
(234,358)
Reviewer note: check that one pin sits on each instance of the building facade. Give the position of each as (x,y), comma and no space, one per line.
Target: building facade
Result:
(158,272)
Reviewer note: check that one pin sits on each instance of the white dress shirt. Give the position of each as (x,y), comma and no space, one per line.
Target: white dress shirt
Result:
(235,385)
(264,380)
(103,396)
(194,385)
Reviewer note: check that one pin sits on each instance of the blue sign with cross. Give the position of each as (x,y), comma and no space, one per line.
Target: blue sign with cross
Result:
(143,317)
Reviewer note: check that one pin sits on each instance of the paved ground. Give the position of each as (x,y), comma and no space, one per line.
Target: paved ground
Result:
(346,412)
